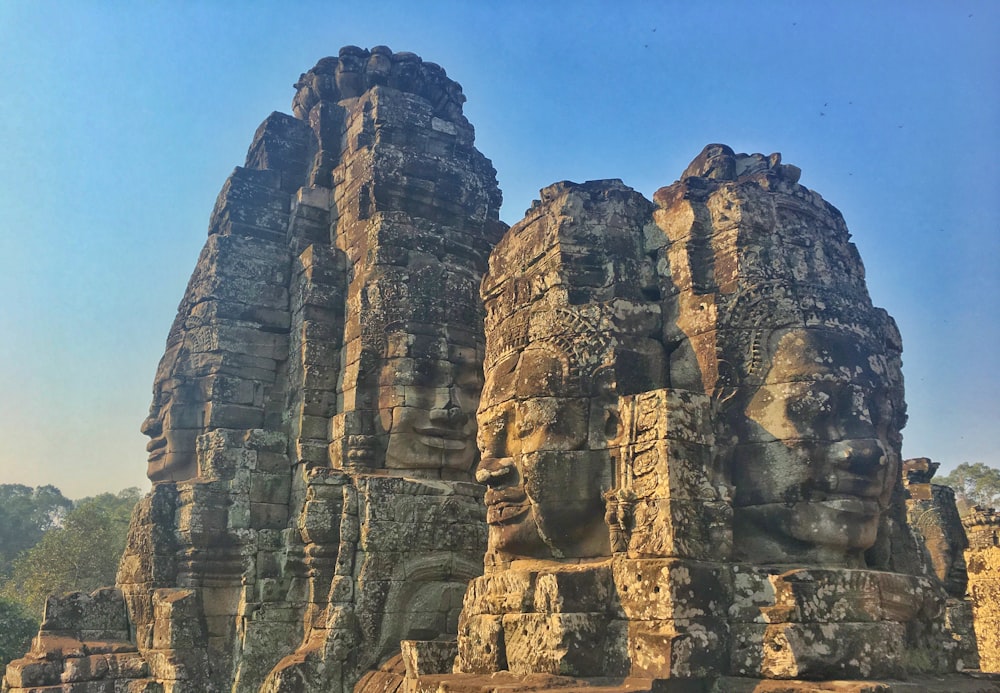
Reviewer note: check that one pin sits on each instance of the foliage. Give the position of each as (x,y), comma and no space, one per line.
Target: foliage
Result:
(16,631)
(974,484)
(25,515)
(81,554)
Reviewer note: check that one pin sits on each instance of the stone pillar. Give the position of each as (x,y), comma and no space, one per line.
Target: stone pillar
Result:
(983,558)
(932,513)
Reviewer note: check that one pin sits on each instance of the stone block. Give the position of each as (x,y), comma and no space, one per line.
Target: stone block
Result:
(312,452)
(312,427)
(959,625)
(699,530)
(677,648)
(50,645)
(832,595)
(668,414)
(341,589)
(223,463)
(270,488)
(319,521)
(274,462)
(220,415)
(985,595)
(178,617)
(907,598)
(171,666)
(84,668)
(752,591)
(93,643)
(100,612)
(481,647)
(575,589)
(502,592)
(268,515)
(670,589)
(250,197)
(669,469)
(31,673)
(263,440)
(318,376)
(987,637)
(127,666)
(423,657)
(818,650)
(317,403)
(225,388)
(826,596)
(202,524)
(561,643)
(238,516)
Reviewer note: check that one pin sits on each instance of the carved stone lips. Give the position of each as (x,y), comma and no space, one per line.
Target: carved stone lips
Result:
(505,505)
(867,507)
(444,438)
(156,444)
(503,513)
(853,485)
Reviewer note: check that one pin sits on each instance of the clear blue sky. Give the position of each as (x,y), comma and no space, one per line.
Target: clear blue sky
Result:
(119,122)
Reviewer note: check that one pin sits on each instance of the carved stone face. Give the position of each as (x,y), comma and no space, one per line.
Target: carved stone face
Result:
(428,408)
(544,483)
(176,419)
(816,464)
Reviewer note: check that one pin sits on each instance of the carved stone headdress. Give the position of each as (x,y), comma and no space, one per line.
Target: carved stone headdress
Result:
(747,320)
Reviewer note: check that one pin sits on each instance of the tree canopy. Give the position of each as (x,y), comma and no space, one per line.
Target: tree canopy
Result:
(82,553)
(16,631)
(974,484)
(25,515)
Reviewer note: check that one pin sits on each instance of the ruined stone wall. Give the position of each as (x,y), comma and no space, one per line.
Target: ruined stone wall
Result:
(983,558)
(933,516)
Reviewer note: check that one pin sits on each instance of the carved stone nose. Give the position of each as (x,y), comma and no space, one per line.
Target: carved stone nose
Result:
(492,469)
(151,426)
(860,456)
(449,415)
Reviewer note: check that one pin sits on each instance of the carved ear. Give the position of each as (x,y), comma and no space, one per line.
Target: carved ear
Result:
(603,390)
(726,385)
(604,383)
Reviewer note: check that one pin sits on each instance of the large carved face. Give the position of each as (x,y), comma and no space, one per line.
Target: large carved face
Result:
(816,463)
(544,482)
(176,418)
(428,406)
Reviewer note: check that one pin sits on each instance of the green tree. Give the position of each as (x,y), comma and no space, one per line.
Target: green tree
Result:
(82,554)
(16,631)
(25,515)
(974,484)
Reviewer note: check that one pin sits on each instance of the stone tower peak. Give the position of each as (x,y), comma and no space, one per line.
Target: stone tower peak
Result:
(356,70)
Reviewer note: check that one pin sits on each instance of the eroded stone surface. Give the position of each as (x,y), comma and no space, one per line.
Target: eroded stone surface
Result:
(313,421)
(933,513)
(983,559)
(622,445)
(754,511)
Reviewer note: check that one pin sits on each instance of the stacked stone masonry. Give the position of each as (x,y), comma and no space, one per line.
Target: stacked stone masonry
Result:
(625,444)
(983,558)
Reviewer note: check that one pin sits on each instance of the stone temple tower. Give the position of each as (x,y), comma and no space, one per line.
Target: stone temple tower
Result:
(313,420)
(626,444)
